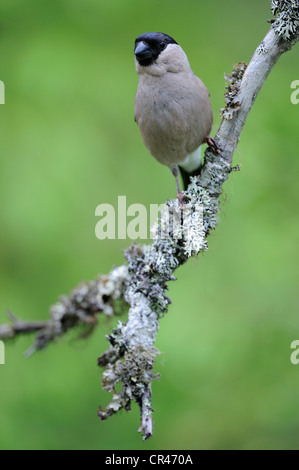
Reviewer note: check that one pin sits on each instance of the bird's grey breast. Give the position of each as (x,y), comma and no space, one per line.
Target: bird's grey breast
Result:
(171,112)
(161,111)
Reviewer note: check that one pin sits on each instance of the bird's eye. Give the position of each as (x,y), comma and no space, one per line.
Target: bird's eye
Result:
(162,45)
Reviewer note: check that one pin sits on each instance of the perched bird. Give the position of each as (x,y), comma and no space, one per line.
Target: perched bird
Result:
(172,105)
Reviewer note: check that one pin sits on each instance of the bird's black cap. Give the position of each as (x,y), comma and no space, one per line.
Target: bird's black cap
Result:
(148,46)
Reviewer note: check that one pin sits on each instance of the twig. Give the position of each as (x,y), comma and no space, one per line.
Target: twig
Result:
(80,309)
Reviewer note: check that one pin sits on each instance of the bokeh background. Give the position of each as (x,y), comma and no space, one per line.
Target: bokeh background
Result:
(68,143)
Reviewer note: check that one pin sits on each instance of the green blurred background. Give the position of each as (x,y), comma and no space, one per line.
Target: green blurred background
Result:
(69,143)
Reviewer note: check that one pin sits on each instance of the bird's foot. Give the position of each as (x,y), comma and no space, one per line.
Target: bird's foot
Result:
(183,200)
(213,146)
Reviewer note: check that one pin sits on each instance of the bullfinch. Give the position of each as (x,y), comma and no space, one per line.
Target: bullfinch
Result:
(172,105)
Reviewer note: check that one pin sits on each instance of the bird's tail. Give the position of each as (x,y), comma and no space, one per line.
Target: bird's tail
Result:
(191,166)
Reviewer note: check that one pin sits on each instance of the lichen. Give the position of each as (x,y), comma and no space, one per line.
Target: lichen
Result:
(179,233)
(135,373)
(232,104)
(262,48)
(83,305)
(286,23)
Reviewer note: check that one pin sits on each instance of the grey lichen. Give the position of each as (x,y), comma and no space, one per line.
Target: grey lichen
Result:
(79,309)
(151,268)
(135,374)
(183,228)
(262,48)
(232,104)
(286,23)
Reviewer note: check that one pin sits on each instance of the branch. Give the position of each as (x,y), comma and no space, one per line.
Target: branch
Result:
(80,309)
(178,235)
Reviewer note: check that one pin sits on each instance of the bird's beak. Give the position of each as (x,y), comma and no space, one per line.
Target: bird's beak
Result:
(143,51)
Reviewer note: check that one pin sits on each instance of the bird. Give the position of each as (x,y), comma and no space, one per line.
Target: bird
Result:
(172,106)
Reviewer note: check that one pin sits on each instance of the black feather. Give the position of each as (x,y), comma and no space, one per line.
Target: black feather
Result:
(157,43)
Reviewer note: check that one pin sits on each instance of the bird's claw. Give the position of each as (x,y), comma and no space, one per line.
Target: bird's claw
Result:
(182,200)
(213,146)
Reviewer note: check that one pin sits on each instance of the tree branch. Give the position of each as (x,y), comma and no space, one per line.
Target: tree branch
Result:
(80,309)
(142,282)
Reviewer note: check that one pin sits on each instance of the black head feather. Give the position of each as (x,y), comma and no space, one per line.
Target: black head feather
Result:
(155,43)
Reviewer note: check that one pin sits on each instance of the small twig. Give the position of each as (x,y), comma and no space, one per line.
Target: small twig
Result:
(9,331)
(146,416)
(80,309)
